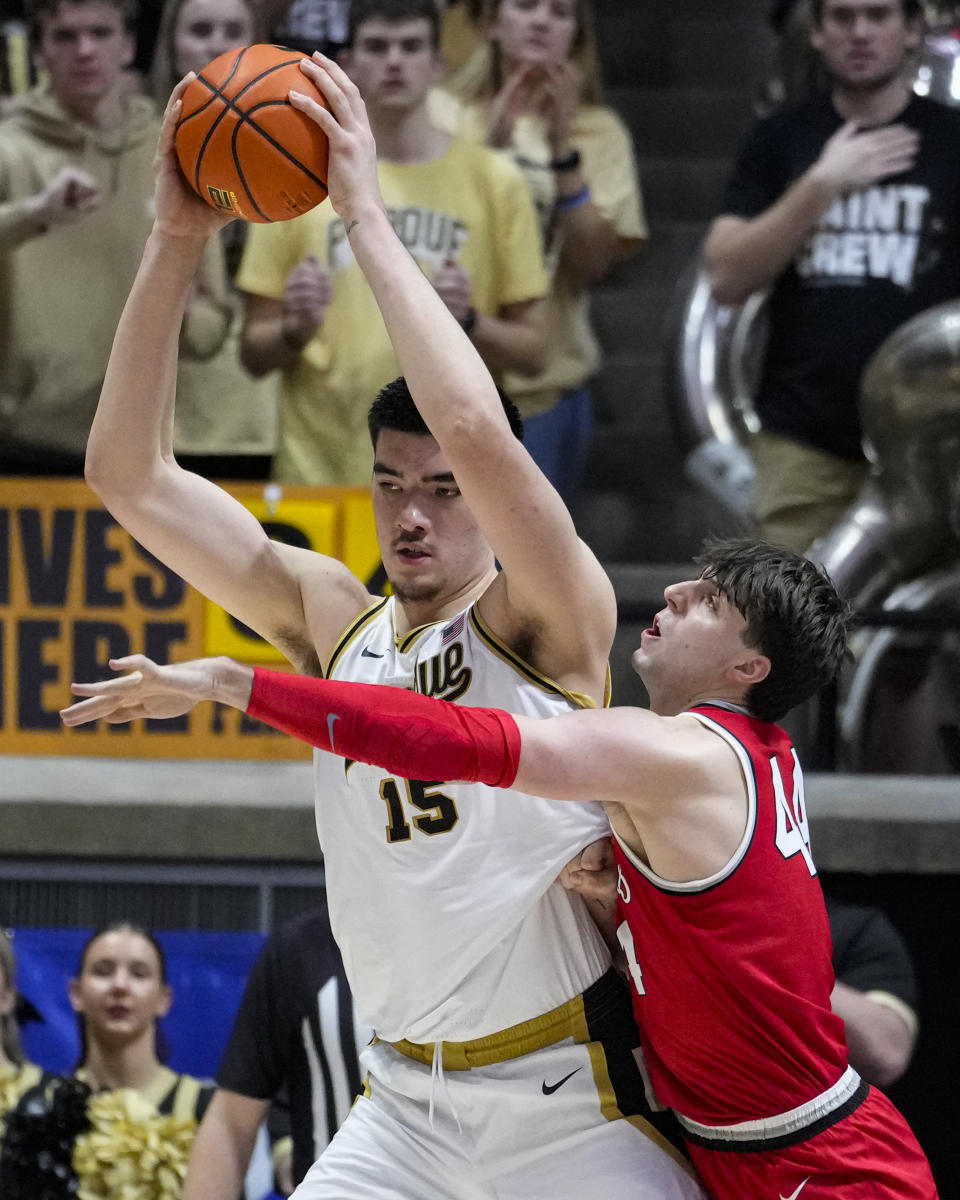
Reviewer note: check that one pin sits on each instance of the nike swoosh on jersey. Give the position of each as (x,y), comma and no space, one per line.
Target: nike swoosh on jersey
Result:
(794,1195)
(550,1088)
(332,718)
(365,653)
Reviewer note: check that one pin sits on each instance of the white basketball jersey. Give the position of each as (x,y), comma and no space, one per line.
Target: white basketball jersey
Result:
(442,896)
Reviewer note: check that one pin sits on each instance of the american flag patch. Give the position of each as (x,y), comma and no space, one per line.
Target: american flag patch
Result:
(454,629)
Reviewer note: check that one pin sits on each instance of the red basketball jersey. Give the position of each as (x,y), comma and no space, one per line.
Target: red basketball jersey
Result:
(732,974)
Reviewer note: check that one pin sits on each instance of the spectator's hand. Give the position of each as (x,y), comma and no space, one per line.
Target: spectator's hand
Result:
(517,96)
(306,296)
(854,159)
(179,210)
(453,286)
(352,171)
(557,99)
(593,873)
(70,195)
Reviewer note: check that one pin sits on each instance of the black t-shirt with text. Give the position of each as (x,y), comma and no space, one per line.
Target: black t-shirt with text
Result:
(296,1029)
(878,256)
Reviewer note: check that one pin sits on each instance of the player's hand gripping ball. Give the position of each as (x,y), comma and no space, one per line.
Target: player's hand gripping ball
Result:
(241,144)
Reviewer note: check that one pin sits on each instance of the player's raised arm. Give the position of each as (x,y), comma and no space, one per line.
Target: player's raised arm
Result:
(188,523)
(550,580)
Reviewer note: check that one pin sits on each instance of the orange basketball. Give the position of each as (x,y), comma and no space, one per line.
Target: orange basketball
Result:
(241,144)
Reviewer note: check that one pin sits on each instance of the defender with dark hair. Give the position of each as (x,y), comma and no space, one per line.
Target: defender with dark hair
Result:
(793,615)
(719,910)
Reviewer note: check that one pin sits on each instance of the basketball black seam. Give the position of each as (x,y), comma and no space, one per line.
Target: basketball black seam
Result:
(272,140)
(209,134)
(229,105)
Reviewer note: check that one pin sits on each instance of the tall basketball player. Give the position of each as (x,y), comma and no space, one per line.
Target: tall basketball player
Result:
(505,1062)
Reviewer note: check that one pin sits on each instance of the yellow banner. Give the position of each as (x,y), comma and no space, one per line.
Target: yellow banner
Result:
(77,590)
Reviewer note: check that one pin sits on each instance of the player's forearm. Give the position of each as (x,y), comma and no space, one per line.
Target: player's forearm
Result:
(743,257)
(133,428)
(443,369)
(414,736)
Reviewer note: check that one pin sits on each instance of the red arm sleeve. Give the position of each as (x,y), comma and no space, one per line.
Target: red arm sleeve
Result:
(412,735)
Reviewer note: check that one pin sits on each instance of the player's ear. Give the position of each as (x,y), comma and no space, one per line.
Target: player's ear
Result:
(752,669)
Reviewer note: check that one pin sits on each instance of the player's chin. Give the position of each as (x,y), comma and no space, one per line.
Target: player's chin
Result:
(414,591)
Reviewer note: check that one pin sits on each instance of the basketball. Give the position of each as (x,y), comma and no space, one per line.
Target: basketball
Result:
(241,144)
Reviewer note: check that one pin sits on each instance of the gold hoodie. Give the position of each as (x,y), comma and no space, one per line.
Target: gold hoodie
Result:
(62,289)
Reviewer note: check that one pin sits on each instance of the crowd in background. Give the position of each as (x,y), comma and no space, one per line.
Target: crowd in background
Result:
(281,345)
(515,187)
(515,184)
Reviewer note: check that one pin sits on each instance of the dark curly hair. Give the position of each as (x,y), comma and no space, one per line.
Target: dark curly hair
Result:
(794,616)
(395,409)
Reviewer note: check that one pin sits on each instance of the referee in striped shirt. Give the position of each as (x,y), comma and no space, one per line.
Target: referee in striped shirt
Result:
(296,1033)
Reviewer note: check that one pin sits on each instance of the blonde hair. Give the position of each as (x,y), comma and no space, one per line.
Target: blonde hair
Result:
(163,71)
(9,1029)
(481,77)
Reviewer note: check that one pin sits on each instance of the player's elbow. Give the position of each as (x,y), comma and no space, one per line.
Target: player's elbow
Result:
(98,469)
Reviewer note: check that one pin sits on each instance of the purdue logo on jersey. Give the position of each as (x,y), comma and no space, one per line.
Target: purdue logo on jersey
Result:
(444,674)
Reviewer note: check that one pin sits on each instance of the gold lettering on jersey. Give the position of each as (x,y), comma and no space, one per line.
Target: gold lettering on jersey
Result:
(444,674)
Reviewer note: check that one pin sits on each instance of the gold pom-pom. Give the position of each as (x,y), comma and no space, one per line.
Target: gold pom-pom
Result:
(131,1152)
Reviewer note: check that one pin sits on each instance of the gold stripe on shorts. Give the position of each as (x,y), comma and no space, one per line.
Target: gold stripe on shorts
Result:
(567,1021)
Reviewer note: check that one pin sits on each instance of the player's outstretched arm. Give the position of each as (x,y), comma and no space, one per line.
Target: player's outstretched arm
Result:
(673,789)
(188,523)
(521,515)
(563,758)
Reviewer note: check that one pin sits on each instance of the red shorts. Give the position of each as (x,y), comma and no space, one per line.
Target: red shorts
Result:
(869,1155)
